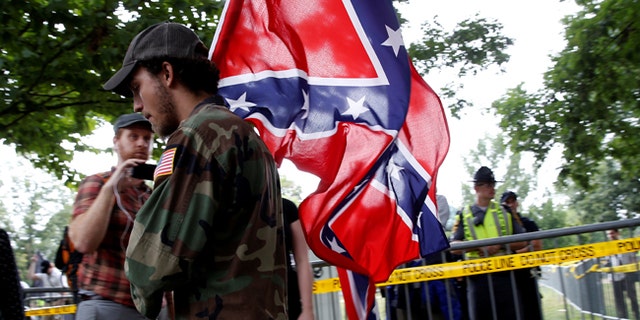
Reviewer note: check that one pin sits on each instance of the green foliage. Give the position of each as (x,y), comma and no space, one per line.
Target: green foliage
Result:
(56,54)
(290,190)
(613,197)
(474,45)
(548,216)
(5,220)
(35,208)
(590,103)
(33,238)
(506,165)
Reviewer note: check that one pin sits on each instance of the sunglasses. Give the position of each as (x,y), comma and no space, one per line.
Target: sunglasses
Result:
(489,184)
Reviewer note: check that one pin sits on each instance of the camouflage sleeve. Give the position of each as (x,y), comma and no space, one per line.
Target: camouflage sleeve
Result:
(205,201)
(150,265)
(170,230)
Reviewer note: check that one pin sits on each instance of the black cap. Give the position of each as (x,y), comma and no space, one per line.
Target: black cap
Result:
(508,194)
(484,174)
(126,120)
(165,39)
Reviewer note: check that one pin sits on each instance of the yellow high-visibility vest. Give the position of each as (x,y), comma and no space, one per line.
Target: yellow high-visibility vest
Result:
(496,223)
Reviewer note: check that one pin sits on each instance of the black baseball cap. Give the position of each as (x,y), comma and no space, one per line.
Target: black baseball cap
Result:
(165,39)
(126,120)
(508,194)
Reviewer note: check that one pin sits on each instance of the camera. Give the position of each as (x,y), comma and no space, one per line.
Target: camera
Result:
(143,171)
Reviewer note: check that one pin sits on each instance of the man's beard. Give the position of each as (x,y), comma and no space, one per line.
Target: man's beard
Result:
(169,121)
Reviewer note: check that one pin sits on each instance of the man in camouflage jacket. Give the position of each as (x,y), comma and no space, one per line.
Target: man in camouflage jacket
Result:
(211,231)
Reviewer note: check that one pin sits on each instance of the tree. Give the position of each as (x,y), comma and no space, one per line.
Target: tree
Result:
(474,45)
(290,190)
(45,241)
(55,57)
(34,239)
(506,165)
(613,197)
(35,209)
(549,216)
(5,221)
(57,54)
(590,101)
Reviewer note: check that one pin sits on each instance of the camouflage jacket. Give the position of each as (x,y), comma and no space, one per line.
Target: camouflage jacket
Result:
(212,230)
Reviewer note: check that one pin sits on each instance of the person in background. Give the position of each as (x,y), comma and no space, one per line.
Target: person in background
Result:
(48,274)
(299,274)
(33,299)
(527,279)
(443,210)
(212,230)
(11,296)
(623,282)
(102,219)
(483,220)
(49,277)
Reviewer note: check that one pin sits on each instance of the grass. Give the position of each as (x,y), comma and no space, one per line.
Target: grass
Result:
(553,306)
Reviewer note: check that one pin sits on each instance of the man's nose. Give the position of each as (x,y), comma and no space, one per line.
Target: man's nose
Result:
(143,142)
(137,105)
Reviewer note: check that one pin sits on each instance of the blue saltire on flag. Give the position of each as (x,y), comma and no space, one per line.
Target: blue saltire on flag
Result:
(330,86)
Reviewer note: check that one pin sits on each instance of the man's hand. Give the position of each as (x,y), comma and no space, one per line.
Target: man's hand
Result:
(122,175)
(490,250)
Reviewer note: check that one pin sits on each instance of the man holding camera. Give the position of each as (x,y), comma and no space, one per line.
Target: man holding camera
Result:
(103,214)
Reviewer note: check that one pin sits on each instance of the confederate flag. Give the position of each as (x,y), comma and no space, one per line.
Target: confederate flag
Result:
(330,86)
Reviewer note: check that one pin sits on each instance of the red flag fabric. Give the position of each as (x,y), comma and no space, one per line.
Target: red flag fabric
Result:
(330,86)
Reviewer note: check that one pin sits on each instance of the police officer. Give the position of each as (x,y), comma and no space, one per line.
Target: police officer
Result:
(526,278)
(482,220)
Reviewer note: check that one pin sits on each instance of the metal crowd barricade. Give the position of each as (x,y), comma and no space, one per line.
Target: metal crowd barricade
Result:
(49,303)
(575,280)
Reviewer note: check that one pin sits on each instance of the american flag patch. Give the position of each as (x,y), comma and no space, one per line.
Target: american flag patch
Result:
(165,166)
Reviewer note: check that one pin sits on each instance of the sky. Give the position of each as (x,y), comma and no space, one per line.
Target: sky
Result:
(538,32)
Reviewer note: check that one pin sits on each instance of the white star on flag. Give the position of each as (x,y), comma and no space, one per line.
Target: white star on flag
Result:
(356,108)
(395,40)
(240,103)
(305,105)
(394,170)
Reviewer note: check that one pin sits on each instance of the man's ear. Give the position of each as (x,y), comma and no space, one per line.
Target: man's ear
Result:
(115,143)
(167,75)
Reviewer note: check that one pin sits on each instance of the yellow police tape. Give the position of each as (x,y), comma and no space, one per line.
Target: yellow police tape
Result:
(46,311)
(494,264)
(625,268)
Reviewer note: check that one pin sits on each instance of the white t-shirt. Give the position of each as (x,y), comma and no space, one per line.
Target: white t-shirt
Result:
(54,280)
